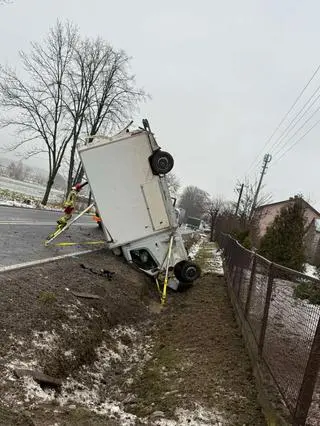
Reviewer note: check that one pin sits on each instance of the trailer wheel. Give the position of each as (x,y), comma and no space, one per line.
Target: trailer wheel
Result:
(161,162)
(186,271)
(117,251)
(177,269)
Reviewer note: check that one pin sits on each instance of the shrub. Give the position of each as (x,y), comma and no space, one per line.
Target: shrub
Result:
(283,241)
(243,237)
(47,297)
(308,291)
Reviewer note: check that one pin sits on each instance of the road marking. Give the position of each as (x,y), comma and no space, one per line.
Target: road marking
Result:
(43,223)
(41,261)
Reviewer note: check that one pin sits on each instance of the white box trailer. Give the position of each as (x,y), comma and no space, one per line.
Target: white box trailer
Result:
(126,174)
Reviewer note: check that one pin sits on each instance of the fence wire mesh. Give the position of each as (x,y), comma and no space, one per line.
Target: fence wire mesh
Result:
(314,410)
(277,307)
(258,297)
(290,332)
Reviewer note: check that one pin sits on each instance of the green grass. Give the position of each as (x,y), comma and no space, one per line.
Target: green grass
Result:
(308,291)
(47,297)
(154,383)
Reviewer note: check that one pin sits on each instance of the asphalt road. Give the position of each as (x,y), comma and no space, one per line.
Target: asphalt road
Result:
(23,232)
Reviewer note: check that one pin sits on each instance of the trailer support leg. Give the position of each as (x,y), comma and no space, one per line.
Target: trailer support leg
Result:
(164,292)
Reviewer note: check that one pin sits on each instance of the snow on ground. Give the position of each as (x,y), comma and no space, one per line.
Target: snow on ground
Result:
(311,271)
(87,393)
(7,201)
(194,249)
(213,259)
(85,390)
(45,340)
(29,189)
(13,203)
(198,416)
(297,317)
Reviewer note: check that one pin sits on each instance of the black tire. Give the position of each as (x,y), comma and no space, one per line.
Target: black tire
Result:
(186,271)
(177,269)
(161,162)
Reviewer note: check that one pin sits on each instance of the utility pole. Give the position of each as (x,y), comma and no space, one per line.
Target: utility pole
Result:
(266,160)
(239,199)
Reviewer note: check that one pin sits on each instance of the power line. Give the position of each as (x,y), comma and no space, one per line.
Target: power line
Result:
(296,132)
(296,142)
(288,129)
(284,118)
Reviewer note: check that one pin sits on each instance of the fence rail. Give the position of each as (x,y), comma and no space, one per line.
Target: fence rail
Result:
(284,325)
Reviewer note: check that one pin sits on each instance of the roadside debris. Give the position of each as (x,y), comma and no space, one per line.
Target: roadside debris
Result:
(86,295)
(102,272)
(39,377)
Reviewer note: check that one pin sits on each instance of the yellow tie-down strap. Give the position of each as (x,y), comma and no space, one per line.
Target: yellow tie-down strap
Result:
(83,243)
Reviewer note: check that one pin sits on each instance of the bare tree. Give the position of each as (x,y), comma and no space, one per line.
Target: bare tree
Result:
(214,208)
(71,86)
(173,184)
(194,201)
(114,95)
(16,170)
(89,62)
(247,199)
(35,104)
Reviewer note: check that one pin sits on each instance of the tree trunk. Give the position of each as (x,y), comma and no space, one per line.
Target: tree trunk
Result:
(71,167)
(214,216)
(50,183)
(211,227)
(80,175)
(90,198)
(48,190)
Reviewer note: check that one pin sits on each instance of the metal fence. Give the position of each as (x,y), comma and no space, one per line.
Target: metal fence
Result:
(282,322)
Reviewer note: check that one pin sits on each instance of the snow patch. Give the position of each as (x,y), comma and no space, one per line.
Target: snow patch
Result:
(34,391)
(199,416)
(213,257)
(17,364)
(115,409)
(13,203)
(86,389)
(194,249)
(311,271)
(126,331)
(45,340)
(27,189)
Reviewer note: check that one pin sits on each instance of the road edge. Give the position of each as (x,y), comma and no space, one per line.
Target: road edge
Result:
(42,261)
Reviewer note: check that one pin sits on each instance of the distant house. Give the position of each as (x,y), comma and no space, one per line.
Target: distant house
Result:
(312,242)
(265,215)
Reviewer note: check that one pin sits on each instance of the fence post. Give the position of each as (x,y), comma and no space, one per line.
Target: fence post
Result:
(252,276)
(234,273)
(266,310)
(308,382)
(239,282)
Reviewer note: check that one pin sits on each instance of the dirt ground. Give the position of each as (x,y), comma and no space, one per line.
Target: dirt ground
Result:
(122,360)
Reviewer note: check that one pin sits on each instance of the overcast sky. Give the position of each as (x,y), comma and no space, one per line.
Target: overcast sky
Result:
(221,74)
